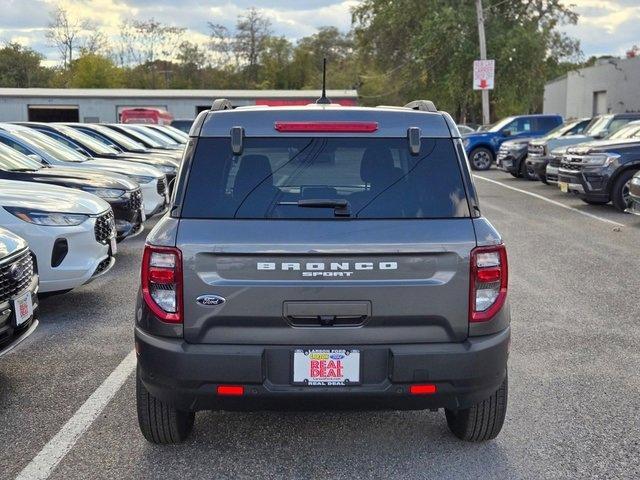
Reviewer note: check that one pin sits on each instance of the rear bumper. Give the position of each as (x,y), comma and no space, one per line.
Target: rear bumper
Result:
(186,375)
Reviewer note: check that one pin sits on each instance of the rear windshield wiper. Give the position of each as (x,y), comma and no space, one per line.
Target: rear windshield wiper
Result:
(341,208)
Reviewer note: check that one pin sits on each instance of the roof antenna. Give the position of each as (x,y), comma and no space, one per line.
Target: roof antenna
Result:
(323,100)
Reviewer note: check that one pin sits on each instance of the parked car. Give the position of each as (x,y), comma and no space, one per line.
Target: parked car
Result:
(634,194)
(123,195)
(160,135)
(148,142)
(538,149)
(18,290)
(71,233)
(601,171)
(87,145)
(599,128)
(177,135)
(183,124)
(512,157)
(464,129)
(118,141)
(482,147)
(362,275)
(146,115)
(40,147)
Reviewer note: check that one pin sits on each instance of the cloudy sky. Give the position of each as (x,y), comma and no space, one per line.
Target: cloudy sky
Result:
(605,26)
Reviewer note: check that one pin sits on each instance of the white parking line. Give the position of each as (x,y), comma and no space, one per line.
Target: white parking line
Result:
(553,202)
(54,451)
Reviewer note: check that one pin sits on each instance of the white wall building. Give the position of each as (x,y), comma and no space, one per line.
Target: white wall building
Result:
(104,105)
(612,85)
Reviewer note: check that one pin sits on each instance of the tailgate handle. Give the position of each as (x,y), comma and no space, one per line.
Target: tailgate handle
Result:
(344,313)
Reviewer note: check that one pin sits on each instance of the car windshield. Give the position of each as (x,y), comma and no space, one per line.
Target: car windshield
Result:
(598,126)
(325,178)
(501,124)
(628,131)
(13,161)
(144,139)
(157,136)
(118,138)
(52,147)
(87,141)
(560,130)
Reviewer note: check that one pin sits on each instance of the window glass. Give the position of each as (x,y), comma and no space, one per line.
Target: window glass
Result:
(306,178)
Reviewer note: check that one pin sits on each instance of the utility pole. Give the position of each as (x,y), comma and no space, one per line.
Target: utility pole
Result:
(486,117)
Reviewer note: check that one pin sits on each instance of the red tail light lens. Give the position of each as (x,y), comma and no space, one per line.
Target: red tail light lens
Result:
(162,282)
(488,282)
(345,127)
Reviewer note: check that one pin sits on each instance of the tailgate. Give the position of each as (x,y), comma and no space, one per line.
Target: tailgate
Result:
(326,282)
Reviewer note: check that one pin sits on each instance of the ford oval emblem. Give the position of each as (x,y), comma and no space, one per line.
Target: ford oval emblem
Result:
(210,300)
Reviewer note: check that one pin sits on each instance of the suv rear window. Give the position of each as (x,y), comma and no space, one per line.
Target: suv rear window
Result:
(275,178)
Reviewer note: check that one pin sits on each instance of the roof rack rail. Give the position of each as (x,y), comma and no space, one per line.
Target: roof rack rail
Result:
(422,105)
(221,104)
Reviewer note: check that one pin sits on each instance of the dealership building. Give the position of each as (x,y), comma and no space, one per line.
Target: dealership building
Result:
(105,105)
(612,85)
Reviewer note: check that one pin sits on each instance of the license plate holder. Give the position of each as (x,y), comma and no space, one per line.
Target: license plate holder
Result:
(22,308)
(326,367)
(114,245)
(564,187)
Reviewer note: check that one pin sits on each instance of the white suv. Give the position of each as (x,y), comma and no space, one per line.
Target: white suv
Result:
(71,233)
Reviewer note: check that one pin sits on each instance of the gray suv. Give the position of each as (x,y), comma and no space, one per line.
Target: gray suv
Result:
(323,257)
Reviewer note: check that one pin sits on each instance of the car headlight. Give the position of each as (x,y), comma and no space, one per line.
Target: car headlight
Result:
(141,178)
(600,159)
(105,192)
(168,169)
(49,219)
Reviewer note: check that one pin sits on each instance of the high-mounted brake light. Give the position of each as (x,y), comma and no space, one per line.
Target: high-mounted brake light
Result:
(488,282)
(230,390)
(423,389)
(344,127)
(162,282)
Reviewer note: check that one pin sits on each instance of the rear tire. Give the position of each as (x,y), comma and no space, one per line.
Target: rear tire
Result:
(620,191)
(481,159)
(161,423)
(484,420)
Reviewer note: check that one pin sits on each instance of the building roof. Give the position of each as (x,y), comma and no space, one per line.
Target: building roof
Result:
(145,93)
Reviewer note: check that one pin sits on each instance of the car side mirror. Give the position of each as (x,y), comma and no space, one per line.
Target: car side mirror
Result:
(506,133)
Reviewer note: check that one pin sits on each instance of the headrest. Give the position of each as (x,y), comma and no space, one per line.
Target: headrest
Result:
(376,165)
(252,171)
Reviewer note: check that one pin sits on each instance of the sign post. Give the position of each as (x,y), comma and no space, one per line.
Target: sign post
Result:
(486,118)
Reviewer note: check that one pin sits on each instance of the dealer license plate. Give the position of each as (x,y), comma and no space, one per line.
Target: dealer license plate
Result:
(564,187)
(114,246)
(23,308)
(326,367)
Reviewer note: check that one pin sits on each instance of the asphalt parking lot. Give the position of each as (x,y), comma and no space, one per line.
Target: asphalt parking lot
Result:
(574,385)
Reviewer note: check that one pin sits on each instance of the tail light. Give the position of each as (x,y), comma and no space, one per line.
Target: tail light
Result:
(162,282)
(337,127)
(488,282)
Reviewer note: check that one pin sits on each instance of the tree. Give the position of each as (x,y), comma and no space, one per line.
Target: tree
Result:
(94,71)
(252,31)
(425,49)
(147,41)
(67,33)
(275,63)
(21,67)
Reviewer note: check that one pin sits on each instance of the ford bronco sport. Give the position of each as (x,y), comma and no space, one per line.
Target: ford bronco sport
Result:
(323,257)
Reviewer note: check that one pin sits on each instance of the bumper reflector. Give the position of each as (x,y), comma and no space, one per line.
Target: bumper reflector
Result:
(230,390)
(423,389)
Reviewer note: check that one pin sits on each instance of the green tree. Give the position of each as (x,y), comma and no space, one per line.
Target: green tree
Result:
(21,67)
(94,71)
(425,49)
